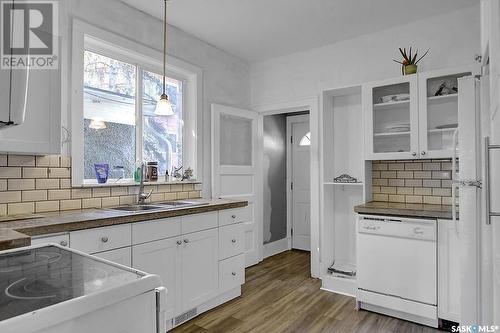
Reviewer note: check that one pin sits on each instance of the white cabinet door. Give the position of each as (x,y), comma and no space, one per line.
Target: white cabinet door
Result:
(390,110)
(120,256)
(448,271)
(438,111)
(199,267)
(162,257)
(40,133)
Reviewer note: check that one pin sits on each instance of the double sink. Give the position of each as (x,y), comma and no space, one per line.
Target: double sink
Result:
(161,206)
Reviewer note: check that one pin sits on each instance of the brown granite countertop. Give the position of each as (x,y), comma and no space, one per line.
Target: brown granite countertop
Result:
(404,209)
(16,233)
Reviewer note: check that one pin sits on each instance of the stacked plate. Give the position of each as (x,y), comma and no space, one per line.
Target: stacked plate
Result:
(400,127)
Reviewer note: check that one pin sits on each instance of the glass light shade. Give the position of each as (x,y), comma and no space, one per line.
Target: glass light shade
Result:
(164,107)
(97,124)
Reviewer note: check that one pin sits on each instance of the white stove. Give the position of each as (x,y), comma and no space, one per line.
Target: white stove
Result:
(49,288)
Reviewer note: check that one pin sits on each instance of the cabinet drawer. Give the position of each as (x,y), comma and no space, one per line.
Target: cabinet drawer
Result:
(231,240)
(60,239)
(149,231)
(231,216)
(231,273)
(121,256)
(102,239)
(198,222)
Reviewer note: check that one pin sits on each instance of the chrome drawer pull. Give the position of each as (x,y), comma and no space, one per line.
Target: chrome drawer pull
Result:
(186,241)
(233,273)
(233,216)
(179,242)
(233,240)
(63,243)
(104,239)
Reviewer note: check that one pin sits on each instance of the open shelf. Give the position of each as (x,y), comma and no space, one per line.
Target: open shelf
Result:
(382,134)
(390,105)
(442,130)
(442,97)
(343,184)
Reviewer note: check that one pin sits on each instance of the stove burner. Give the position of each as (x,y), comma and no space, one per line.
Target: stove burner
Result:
(28,262)
(11,295)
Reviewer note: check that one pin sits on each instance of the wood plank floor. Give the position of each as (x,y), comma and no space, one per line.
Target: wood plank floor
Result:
(280,296)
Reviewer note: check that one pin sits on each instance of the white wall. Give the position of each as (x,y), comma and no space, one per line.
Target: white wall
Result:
(225,77)
(453,40)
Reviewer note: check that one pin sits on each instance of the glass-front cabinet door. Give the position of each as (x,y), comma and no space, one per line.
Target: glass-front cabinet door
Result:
(391,118)
(438,111)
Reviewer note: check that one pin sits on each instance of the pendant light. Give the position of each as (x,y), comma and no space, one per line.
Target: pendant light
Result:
(164,107)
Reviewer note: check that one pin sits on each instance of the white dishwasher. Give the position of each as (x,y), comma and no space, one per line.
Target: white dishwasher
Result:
(397,267)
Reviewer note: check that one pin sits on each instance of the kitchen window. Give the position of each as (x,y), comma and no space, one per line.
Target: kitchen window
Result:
(114,132)
(112,118)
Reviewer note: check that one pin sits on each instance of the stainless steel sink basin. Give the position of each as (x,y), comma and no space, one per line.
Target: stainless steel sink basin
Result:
(165,205)
(180,203)
(137,208)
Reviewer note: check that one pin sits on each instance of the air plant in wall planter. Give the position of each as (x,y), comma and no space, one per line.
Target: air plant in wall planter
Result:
(410,61)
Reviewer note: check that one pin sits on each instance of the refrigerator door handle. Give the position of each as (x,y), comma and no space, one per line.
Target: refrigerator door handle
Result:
(487,148)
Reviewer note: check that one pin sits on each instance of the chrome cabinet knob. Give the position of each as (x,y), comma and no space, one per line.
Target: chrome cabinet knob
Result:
(422,153)
(233,240)
(104,239)
(179,242)
(233,273)
(233,216)
(63,243)
(186,241)
(414,154)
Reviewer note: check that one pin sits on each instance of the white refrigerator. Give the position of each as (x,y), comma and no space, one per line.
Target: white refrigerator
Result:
(477,186)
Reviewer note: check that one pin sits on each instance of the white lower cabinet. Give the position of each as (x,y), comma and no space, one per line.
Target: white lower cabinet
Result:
(61,239)
(120,256)
(231,273)
(199,267)
(448,271)
(162,257)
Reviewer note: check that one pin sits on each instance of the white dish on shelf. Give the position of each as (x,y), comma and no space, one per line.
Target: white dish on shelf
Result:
(395,98)
(447,126)
(397,127)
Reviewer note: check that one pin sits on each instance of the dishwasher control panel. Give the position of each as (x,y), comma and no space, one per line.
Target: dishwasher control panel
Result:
(398,227)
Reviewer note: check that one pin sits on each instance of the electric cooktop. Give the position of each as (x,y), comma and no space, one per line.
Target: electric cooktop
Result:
(35,278)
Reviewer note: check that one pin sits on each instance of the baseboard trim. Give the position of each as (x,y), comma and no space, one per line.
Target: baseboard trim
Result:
(273,248)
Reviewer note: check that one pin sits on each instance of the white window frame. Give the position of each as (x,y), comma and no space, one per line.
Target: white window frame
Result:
(90,38)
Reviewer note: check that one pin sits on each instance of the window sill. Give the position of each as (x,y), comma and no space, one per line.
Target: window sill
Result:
(132,183)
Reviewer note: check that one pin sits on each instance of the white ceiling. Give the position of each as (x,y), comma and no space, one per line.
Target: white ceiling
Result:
(259,29)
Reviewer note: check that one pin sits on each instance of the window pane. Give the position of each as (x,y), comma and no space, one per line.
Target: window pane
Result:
(162,136)
(235,140)
(109,114)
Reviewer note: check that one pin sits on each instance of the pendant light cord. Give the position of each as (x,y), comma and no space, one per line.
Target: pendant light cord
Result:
(164,43)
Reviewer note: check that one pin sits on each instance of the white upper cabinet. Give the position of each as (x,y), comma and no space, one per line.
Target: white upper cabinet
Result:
(40,133)
(391,118)
(438,112)
(413,116)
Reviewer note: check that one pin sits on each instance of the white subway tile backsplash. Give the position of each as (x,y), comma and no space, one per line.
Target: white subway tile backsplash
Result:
(39,184)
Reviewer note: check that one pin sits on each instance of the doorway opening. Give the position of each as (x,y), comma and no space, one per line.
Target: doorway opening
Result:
(286,182)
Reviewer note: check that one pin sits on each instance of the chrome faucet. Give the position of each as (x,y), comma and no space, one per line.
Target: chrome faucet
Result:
(141,196)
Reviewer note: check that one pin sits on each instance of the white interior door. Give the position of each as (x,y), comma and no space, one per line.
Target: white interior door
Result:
(298,128)
(234,169)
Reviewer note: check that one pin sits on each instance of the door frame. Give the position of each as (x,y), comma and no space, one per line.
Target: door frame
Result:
(310,103)
(289,173)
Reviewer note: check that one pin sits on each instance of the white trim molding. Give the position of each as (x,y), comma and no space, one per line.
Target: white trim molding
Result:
(273,248)
(87,35)
(310,103)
